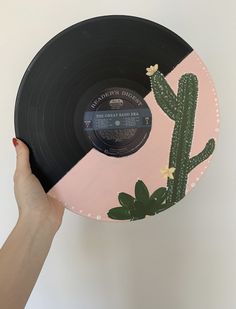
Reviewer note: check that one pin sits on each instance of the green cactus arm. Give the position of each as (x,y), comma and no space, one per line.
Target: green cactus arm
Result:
(126,200)
(203,155)
(182,136)
(164,95)
(141,192)
(119,213)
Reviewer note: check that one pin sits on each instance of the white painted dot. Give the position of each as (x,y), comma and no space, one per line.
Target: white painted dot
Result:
(217,120)
(117,122)
(89,215)
(217,111)
(216,99)
(99,217)
(80,210)
(197,178)
(205,167)
(193,184)
(202,173)
(72,207)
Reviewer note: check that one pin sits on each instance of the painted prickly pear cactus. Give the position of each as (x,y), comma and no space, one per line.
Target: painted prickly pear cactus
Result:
(180,108)
(142,204)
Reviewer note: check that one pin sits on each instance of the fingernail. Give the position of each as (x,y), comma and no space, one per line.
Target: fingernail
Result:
(15,142)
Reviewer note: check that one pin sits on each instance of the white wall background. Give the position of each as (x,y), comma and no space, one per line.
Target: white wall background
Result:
(184,258)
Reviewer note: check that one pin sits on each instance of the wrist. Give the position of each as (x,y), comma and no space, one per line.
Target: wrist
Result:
(37,222)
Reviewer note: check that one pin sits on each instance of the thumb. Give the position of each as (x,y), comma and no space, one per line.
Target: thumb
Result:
(22,157)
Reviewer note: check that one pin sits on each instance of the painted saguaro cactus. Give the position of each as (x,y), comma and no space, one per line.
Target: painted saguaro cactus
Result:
(181,109)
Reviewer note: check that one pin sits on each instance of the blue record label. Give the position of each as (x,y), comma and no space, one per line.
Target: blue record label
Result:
(117,121)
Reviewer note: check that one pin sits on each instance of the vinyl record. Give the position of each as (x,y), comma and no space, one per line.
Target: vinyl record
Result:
(120,115)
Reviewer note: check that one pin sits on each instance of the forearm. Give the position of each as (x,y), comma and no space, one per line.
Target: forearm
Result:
(21,260)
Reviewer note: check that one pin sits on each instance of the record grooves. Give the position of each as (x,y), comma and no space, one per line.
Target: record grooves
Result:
(108,51)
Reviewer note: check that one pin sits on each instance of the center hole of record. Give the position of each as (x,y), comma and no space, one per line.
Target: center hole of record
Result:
(117,121)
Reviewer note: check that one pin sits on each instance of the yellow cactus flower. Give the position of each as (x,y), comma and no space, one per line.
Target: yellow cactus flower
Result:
(168,172)
(152,69)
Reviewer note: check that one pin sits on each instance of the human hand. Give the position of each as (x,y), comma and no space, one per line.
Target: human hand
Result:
(30,196)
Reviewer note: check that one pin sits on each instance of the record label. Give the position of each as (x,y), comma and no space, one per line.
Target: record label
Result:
(118,121)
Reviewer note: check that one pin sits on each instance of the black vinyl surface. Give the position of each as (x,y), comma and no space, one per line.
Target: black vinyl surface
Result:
(113,50)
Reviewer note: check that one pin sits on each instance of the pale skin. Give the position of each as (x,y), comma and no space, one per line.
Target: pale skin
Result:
(25,250)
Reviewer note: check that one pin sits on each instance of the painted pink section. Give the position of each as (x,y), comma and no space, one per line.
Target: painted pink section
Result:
(91,187)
